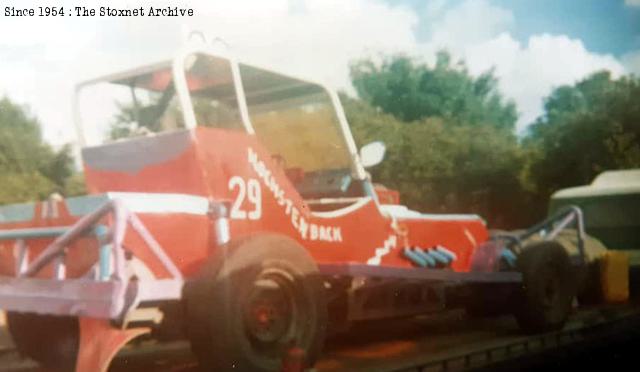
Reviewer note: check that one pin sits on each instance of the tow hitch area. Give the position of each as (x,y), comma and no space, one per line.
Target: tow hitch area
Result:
(82,321)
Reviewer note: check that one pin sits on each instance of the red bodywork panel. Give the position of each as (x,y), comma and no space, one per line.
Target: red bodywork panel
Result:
(223,164)
(206,166)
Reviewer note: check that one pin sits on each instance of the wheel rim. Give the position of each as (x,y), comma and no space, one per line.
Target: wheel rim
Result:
(272,318)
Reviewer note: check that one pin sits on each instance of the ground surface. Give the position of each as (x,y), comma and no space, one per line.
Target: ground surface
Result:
(389,346)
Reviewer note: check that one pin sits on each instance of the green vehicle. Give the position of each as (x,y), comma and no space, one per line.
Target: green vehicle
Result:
(611,209)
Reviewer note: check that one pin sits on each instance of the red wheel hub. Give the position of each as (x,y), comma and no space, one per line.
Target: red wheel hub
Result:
(269,315)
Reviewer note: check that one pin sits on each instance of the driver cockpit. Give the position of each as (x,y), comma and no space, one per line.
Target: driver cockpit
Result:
(297,121)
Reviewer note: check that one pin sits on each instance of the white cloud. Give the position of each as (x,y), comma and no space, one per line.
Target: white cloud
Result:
(478,32)
(43,58)
(631,61)
(316,39)
(529,72)
(468,23)
(632,2)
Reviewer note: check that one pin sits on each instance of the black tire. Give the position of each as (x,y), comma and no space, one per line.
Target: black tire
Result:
(52,341)
(245,313)
(545,298)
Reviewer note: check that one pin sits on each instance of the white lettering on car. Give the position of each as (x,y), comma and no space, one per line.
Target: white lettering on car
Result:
(307,230)
(250,190)
(386,248)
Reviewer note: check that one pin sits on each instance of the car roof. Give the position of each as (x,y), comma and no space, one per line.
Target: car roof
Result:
(616,182)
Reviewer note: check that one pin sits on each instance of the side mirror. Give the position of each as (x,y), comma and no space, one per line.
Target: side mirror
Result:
(372,154)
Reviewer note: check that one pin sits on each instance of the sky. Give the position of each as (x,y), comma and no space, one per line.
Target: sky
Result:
(533,46)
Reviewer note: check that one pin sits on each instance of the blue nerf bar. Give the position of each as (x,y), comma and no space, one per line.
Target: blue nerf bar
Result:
(452,256)
(440,257)
(33,233)
(431,262)
(413,257)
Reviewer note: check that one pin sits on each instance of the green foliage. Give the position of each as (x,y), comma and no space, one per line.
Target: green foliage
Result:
(589,127)
(442,168)
(24,186)
(20,149)
(412,91)
(163,112)
(143,114)
(145,118)
(451,146)
(58,166)
(29,169)
(75,185)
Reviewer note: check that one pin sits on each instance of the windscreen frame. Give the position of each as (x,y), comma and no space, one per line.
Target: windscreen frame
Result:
(179,77)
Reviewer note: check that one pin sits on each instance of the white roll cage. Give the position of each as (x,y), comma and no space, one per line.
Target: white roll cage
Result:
(182,90)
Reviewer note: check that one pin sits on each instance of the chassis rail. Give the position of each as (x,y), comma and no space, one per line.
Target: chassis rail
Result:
(436,275)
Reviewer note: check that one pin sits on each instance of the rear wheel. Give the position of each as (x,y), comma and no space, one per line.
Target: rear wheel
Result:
(548,288)
(52,341)
(265,298)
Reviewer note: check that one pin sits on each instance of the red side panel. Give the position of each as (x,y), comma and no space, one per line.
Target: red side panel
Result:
(356,234)
(164,163)
(234,166)
(461,237)
(350,236)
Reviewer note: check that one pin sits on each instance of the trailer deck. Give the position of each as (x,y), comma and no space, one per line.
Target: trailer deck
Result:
(450,341)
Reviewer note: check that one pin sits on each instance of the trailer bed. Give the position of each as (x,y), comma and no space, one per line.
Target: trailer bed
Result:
(450,341)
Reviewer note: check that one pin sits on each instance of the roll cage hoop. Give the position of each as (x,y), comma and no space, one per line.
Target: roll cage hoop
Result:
(177,66)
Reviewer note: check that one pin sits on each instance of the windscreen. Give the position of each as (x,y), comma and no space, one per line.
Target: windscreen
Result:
(297,122)
(294,119)
(212,90)
(142,104)
(134,106)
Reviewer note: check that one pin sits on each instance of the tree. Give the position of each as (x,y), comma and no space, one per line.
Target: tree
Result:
(442,168)
(411,91)
(29,168)
(450,140)
(586,128)
(161,112)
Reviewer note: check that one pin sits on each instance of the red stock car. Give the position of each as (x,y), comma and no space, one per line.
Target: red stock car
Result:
(228,204)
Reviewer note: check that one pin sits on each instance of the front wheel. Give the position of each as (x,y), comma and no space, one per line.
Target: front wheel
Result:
(265,298)
(548,288)
(52,341)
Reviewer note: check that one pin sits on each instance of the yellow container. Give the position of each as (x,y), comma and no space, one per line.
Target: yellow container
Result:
(614,276)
